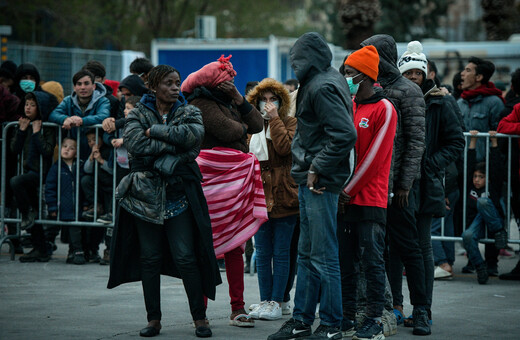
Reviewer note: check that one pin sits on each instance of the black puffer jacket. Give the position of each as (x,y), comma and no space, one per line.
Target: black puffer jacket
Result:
(408,101)
(325,134)
(444,145)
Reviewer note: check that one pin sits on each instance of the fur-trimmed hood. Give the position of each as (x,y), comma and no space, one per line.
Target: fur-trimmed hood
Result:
(277,88)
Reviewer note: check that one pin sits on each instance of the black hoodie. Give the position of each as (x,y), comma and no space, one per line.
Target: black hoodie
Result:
(325,134)
(408,101)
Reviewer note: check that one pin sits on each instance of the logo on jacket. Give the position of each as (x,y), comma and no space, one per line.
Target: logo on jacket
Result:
(363,123)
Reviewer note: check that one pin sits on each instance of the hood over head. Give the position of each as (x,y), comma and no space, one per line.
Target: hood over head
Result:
(277,88)
(46,104)
(310,55)
(27,69)
(387,50)
(8,69)
(134,84)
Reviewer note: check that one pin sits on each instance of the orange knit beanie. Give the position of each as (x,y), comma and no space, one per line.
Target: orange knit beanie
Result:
(365,60)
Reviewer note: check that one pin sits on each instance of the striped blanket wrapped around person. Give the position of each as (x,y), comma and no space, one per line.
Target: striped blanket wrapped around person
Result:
(232,185)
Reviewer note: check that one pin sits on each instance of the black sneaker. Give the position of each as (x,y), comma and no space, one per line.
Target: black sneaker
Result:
(513,275)
(105,219)
(94,257)
(492,270)
(35,256)
(79,258)
(326,332)
(421,325)
(370,330)
(501,239)
(468,269)
(482,273)
(348,327)
(28,219)
(292,329)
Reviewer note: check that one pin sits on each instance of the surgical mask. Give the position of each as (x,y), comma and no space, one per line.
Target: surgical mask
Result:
(27,85)
(261,106)
(351,86)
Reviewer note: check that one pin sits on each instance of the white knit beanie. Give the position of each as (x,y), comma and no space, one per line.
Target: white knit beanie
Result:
(413,58)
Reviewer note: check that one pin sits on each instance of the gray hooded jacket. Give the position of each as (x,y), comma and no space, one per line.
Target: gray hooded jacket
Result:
(408,101)
(325,134)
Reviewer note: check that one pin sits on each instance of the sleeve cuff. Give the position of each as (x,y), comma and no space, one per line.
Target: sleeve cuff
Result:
(245,107)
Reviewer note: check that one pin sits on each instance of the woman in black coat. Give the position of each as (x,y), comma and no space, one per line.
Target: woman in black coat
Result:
(163,224)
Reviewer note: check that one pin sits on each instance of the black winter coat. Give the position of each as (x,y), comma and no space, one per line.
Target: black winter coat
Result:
(408,101)
(444,145)
(325,133)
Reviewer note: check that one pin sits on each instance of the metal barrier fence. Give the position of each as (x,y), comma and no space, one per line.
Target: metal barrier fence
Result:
(4,236)
(464,195)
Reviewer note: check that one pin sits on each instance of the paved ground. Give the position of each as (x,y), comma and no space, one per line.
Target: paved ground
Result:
(58,301)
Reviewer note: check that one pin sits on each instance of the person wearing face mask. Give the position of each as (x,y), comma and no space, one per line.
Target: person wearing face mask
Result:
(26,79)
(363,202)
(272,147)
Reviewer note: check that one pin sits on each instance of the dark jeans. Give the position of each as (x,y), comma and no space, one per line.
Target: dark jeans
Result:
(405,249)
(25,190)
(180,236)
(444,251)
(104,189)
(362,244)
(293,256)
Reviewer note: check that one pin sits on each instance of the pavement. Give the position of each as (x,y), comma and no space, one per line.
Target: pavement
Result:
(55,300)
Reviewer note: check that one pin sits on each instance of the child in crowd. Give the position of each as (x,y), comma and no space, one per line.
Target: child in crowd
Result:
(102,154)
(34,142)
(483,207)
(64,203)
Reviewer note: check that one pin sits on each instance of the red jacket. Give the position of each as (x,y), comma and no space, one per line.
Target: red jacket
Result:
(375,120)
(511,123)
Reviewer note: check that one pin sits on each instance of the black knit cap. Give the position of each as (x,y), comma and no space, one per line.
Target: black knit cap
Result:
(8,69)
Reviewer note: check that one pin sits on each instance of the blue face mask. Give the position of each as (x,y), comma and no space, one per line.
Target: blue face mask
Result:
(351,86)
(27,85)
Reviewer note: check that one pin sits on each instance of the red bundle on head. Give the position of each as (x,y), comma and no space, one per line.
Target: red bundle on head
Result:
(210,75)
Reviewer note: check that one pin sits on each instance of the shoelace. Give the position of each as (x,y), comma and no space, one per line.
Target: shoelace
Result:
(367,324)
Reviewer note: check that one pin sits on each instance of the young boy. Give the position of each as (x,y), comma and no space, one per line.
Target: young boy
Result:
(33,141)
(64,202)
(483,208)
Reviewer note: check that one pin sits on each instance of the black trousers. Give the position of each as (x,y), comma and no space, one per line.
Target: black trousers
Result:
(404,247)
(25,190)
(181,236)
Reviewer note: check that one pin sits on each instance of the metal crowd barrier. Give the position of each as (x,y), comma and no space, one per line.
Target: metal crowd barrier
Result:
(41,219)
(463,195)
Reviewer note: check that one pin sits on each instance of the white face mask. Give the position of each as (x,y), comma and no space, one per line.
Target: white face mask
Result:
(261,106)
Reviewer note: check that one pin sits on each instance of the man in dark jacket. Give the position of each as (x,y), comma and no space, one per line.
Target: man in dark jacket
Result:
(409,147)
(324,138)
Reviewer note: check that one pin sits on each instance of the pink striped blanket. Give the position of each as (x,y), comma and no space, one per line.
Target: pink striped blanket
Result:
(233,188)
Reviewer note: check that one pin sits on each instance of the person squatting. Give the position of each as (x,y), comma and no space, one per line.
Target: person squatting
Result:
(337,175)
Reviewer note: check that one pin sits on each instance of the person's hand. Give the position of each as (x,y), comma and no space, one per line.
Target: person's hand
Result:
(117,142)
(401,197)
(37,126)
(109,124)
(447,201)
(271,110)
(229,88)
(68,123)
(493,138)
(78,121)
(344,199)
(53,214)
(23,123)
(147,133)
(312,180)
(473,139)
(97,156)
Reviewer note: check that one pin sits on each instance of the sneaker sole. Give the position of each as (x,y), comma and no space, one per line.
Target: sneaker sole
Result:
(349,333)
(377,337)
(270,318)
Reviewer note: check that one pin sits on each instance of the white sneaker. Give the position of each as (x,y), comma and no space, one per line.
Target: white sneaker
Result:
(441,273)
(255,312)
(272,311)
(253,306)
(286,308)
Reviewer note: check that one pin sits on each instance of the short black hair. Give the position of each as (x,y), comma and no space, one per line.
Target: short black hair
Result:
(96,67)
(342,67)
(515,81)
(480,167)
(82,73)
(158,73)
(483,67)
(31,96)
(132,100)
(432,67)
(251,85)
(292,82)
(140,65)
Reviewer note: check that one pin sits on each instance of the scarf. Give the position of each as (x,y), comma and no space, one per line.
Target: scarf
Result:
(485,90)
(258,144)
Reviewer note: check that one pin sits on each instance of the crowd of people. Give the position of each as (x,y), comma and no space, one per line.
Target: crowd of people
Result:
(340,177)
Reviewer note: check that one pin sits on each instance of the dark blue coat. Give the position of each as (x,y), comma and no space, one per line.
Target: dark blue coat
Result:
(67,202)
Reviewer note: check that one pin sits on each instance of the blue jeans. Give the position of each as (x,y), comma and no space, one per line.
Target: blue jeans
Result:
(318,260)
(361,246)
(487,216)
(444,251)
(273,243)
